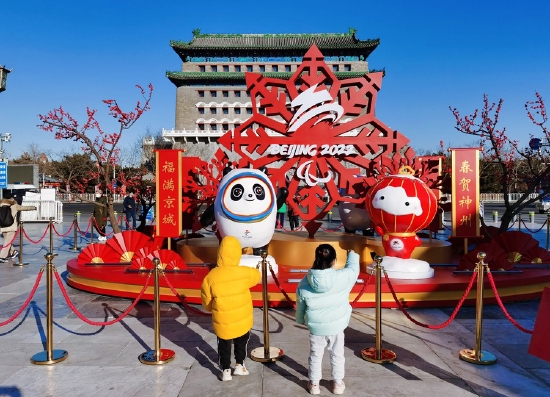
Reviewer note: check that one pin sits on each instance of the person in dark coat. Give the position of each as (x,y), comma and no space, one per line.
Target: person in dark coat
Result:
(129,205)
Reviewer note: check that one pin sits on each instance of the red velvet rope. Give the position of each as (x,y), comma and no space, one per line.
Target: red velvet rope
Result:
(439,326)
(280,288)
(103,234)
(182,299)
(531,231)
(40,239)
(34,288)
(497,297)
(87,228)
(365,283)
(63,235)
(12,240)
(100,323)
(332,229)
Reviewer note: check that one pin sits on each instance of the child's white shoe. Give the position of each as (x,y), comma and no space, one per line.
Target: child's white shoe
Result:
(313,388)
(338,387)
(226,375)
(240,370)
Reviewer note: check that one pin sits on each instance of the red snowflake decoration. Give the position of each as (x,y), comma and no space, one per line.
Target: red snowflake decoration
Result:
(317,136)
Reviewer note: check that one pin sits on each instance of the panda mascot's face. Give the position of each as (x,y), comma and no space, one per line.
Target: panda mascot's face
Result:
(246,207)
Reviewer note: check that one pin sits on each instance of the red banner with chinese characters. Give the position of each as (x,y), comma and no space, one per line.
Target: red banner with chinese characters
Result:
(465,192)
(168,189)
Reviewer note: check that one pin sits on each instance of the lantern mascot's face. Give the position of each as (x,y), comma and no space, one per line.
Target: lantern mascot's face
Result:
(246,207)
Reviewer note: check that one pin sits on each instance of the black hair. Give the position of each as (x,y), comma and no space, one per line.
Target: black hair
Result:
(325,254)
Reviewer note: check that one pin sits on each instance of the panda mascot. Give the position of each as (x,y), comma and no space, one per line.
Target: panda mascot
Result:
(245,207)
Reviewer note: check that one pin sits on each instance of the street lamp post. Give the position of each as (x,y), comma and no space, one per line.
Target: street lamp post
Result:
(4,77)
(3,138)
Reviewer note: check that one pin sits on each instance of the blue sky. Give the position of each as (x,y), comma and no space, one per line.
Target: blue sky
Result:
(436,54)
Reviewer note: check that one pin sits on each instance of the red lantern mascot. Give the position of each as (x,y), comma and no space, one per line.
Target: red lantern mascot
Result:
(400,205)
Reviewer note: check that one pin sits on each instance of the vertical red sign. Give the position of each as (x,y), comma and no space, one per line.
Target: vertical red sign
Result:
(168,193)
(465,192)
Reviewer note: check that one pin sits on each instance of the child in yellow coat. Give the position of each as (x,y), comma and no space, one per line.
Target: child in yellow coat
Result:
(225,292)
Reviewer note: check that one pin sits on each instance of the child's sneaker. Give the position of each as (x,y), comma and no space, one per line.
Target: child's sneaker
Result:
(313,388)
(338,387)
(226,375)
(240,370)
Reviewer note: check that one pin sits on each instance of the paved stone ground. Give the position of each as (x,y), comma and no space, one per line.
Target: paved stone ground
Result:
(103,361)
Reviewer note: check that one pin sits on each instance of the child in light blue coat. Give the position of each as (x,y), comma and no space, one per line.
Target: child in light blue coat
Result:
(322,302)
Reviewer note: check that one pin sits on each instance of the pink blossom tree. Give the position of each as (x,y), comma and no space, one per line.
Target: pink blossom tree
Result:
(101,146)
(513,164)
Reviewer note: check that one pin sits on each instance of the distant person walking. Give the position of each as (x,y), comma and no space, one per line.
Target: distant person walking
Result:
(8,232)
(129,205)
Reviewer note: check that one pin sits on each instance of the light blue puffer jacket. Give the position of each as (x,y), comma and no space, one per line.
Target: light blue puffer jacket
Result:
(322,298)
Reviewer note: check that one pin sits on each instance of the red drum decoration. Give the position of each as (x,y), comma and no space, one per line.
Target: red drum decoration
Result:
(400,205)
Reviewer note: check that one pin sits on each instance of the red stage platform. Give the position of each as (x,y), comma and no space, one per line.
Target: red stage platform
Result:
(293,254)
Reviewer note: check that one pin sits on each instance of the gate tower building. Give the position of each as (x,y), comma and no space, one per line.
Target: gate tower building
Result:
(211,96)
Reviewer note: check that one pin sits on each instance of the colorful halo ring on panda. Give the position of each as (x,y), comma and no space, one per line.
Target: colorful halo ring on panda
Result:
(246,207)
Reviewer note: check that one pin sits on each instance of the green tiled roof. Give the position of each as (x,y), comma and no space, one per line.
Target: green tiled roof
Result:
(209,78)
(279,44)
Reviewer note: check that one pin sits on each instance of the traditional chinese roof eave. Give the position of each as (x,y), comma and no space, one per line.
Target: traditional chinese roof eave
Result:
(279,45)
(211,78)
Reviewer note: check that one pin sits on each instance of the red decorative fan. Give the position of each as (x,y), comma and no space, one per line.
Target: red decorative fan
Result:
(125,244)
(169,260)
(515,243)
(535,255)
(97,253)
(492,252)
(490,232)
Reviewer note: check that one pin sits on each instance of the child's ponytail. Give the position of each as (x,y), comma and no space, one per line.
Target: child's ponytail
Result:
(325,255)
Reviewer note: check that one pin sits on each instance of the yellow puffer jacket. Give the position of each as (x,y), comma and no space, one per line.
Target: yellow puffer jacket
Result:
(225,291)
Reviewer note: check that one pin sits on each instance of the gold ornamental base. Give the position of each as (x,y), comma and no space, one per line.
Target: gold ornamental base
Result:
(56,356)
(385,356)
(485,358)
(150,357)
(273,354)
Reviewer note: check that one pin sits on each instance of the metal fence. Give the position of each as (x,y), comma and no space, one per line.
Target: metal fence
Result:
(44,211)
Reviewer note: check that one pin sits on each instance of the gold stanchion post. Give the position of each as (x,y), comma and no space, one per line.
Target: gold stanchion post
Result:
(50,225)
(49,356)
(478,356)
(266,354)
(157,356)
(378,355)
(75,234)
(547,231)
(92,229)
(21,263)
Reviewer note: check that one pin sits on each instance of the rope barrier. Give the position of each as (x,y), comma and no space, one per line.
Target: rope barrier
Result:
(100,232)
(26,303)
(62,235)
(531,231)
(100,323)
(12,240)
(87,228)
(360,294)
(508,316)
(39,240)
(182,299)
(439,326)
(281,288)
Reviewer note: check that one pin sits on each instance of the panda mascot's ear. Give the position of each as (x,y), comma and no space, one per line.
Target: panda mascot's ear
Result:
(282,195)
(263,169)
(226,170)
(207,217)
